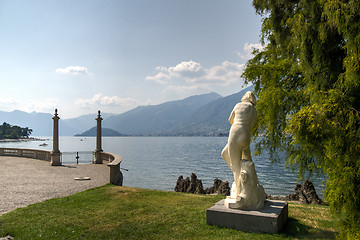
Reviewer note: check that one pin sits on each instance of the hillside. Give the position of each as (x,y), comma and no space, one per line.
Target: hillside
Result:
(212,118)
(42,123)
(105,132)
(200,115)
(84,122)
(158,119)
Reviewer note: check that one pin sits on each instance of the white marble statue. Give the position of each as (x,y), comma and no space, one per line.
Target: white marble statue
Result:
(246,193)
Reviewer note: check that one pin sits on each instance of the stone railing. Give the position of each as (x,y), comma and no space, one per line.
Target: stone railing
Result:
(114,160)
(26,153)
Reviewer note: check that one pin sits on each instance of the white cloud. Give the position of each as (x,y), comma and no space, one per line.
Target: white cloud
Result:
(74,70)
(148,102)
(48,105)
(161,78)
(248,49)
(182,67)
(224,74)
(184,70)
(192,76)
(30,105)
(100,100)
(7,104)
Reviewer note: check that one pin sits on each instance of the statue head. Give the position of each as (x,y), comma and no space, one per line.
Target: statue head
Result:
(249,97)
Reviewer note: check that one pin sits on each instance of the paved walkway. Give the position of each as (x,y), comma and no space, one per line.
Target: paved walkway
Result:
(25,181)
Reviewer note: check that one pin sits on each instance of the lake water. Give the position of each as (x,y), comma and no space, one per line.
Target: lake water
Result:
(156,162)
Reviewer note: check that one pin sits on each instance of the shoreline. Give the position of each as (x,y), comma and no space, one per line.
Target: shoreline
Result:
(22,140)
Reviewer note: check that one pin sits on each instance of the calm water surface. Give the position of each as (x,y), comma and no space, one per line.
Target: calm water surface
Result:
(156,162)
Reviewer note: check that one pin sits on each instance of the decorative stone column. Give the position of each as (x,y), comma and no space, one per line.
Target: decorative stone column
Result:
(55,154)
(98,150)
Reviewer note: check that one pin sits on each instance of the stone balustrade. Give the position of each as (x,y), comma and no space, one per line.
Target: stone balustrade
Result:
(54,156)
(26,153)
(114,160)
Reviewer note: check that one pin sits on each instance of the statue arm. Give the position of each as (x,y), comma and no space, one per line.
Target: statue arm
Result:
(231,118)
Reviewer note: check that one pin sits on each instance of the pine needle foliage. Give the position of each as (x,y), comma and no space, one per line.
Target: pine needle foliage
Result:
(307,80)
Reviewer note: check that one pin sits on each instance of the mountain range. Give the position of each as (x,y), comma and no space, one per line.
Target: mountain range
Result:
(42,123)
(199,115)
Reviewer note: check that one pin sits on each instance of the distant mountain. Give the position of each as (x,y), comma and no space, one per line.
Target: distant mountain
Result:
(158,119)
(83,123)
(205,114)
(212,118)
(42,123)
(105,132)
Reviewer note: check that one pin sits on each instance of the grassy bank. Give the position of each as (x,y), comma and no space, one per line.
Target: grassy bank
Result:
(112,212)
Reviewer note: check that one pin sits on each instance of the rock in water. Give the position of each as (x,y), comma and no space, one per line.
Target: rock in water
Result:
(224,188)
(194,185)
(180,184)
(310,193)
(305,194)
(219,187)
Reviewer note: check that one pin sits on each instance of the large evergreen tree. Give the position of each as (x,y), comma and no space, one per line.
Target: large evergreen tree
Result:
(307,80)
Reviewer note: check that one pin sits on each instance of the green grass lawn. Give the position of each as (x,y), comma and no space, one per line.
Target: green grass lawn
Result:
(112,212)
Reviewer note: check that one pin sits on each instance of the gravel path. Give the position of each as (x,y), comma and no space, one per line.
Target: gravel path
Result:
(26,181)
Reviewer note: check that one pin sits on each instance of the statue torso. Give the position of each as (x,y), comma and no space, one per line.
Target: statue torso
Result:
(245,114)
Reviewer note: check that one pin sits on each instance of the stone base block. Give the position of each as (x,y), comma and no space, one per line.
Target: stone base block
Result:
(270,219)
(55,159)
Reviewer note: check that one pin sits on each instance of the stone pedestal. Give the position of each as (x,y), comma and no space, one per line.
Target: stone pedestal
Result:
(55,158)
(270,219)
(98,157)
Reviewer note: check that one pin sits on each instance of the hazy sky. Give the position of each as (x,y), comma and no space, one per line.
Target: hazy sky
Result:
(83,55)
